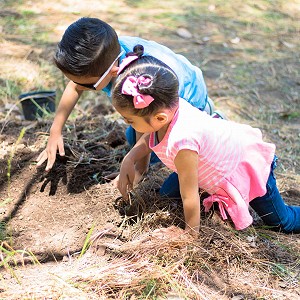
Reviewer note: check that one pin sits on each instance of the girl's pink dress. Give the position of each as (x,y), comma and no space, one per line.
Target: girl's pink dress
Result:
(234,162)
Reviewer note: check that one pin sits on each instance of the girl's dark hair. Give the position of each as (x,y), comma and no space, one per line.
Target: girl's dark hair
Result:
(87,48)
(163,86)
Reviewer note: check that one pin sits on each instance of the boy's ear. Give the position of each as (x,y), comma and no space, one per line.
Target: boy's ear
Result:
(162,117)
(114,71)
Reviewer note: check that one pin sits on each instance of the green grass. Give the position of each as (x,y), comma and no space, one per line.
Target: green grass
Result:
(87,242)
(9,89)
(28,13)
(18,26)
(150,289)
(24,24)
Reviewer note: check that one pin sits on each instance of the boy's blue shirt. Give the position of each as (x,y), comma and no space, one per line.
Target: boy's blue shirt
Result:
(192,87)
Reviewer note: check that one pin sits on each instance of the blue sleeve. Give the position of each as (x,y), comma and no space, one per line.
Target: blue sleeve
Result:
(192,87)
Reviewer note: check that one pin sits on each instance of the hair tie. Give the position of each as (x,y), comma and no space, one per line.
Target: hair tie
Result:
(130,87)
(126,61)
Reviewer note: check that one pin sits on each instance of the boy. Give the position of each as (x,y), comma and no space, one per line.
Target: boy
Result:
(89,55)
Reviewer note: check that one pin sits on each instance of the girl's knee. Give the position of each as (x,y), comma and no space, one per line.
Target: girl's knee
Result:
(290,224)
(290,227)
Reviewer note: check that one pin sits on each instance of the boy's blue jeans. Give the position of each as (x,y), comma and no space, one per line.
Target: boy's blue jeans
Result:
(131,139)
(272,209)
(170,187)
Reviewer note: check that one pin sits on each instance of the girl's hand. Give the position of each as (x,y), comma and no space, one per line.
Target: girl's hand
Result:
(128,178)
(123,186)
(131,171)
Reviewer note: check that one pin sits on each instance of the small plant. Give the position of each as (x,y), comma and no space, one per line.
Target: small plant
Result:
(150,288)
(9,89)
(10,256)
(87,241)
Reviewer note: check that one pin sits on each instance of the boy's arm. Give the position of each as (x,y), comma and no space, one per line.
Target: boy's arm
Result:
(55,141)
(186,163)
(129,174)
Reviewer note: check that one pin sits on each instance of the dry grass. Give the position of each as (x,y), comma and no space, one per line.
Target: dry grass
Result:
(254,79)
(219,264)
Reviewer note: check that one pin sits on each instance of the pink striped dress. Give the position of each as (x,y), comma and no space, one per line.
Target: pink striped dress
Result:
(233,160)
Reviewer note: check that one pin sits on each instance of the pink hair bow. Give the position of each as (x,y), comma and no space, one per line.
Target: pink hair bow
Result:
(130,87)
(126,61)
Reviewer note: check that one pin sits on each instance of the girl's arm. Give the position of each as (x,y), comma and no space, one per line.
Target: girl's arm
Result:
(129,174)
(186,163)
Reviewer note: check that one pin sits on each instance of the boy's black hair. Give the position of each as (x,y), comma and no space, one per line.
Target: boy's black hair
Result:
(163,85)
(87,48)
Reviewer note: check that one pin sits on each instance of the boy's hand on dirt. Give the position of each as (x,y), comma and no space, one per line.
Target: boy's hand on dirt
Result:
(54,176)
(49,153)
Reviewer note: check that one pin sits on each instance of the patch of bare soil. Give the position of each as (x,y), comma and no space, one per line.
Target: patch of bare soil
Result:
(51,213)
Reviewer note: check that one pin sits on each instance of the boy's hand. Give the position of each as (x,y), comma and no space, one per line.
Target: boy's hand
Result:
(54,143)
(54,176)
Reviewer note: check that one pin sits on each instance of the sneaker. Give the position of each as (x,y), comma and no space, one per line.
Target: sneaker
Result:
(218,115)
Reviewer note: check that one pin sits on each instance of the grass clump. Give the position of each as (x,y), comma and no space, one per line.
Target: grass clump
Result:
(214,265)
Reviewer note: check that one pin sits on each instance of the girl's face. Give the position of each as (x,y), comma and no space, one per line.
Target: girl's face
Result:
(141,124)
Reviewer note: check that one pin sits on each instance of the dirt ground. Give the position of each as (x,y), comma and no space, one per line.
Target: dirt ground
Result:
(50,215)
(52,212)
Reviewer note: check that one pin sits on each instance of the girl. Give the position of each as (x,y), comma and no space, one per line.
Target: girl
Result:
(230,161)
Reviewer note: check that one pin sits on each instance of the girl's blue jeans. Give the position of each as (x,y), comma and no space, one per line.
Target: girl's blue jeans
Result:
(272,209)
